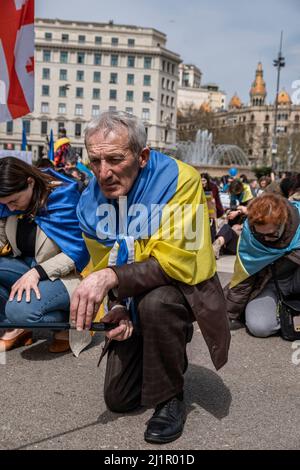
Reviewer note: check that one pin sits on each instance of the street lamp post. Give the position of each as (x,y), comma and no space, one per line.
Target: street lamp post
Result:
(279,63)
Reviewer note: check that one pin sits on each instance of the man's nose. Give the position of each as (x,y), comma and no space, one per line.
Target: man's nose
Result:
(104,171)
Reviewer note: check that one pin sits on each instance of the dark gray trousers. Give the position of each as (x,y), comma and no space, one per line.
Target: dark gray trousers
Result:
(148,368)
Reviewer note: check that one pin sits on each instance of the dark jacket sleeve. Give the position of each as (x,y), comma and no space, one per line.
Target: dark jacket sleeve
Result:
(137,278)
(238,297)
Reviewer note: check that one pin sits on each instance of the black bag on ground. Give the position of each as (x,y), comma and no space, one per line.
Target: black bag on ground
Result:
(288,310)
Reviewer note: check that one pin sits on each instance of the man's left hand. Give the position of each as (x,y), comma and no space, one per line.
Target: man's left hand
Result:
(89,295)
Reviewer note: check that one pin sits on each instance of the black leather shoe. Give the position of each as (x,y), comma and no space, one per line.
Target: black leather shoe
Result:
(167,422)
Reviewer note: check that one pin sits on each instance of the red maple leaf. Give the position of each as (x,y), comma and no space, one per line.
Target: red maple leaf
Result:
(30,65)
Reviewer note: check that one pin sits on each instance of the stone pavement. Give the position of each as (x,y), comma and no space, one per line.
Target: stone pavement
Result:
(55,402)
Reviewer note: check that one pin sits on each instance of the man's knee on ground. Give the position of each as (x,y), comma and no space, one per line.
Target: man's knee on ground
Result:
(118,402)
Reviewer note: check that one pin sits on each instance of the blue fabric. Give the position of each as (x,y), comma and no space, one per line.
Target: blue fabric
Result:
(51,147)
(84,169)
(155,184)
(59,220)
(255,256)
(53,306)
(24,139)
(122,257)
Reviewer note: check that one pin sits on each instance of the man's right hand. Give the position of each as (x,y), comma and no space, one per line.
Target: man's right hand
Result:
(120,315)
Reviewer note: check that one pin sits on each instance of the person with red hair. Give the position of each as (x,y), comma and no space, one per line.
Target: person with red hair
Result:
(271,236)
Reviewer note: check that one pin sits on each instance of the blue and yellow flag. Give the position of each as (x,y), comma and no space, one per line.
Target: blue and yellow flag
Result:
(165,214)
(253,256)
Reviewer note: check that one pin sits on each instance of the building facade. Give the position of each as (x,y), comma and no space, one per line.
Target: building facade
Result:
(192,94)
(256,123)
(83,68)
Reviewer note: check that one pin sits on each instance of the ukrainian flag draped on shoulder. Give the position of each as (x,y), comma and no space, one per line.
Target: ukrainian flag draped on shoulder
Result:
(253,256)
(58,219)
(163,216)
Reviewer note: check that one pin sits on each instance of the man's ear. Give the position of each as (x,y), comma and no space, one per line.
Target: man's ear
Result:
(30,181)
(144,157)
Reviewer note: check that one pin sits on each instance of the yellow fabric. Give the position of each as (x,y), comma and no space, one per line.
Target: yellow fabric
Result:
(61,142)
(239,273)
(185,263)
(247,196)
(6,250)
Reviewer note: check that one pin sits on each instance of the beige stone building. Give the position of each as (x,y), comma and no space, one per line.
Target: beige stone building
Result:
(257,121)
(83,68)
(192,93)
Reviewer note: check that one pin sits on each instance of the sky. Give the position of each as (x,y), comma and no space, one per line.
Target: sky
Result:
(224,38)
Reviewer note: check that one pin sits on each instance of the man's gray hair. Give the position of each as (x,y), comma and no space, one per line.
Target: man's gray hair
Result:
(112,121)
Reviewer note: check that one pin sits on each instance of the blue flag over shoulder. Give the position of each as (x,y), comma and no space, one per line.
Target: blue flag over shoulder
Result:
(59,220)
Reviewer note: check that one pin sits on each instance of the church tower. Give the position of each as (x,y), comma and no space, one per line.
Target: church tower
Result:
(258,90)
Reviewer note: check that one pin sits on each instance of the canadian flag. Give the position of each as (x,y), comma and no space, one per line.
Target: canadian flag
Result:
(16,58)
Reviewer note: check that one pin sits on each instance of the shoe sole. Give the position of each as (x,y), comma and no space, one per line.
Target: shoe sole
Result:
(162,440)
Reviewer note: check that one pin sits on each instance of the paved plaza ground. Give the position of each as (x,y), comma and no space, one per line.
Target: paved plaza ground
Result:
(55,401)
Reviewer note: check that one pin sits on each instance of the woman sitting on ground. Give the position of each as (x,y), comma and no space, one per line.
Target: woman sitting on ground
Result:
(270,235)
(42,250)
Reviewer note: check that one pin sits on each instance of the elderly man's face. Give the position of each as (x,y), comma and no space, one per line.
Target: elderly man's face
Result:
(113,164)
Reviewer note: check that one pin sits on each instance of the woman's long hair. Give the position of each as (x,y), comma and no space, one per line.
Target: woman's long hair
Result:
(14,174)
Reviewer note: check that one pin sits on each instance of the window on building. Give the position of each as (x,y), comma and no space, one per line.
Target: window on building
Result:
(163,81)
(114,59)
(62,108)
(60,126)
(112,108)
(80,75)
(96,93)
(97,59)
(46,74)
(173,69)
(63,74)
(168,67)
(131,42)
(48,36)
(62,91)
(80,57)
(130,61)
(168,84)
(78,129)
(163,65)
(173,87)
(172,102)
(129,110)
(162,99)
(267,117)
(161,115)
(147,62)
(171,117)
(146,97)
(81,38)
(129,95)
(44,108)
(63,57)
(64,37)
(130,79)
(114,41)
(26,124)
(95,110)
(167,100)
(98,39)
(97,77)
(112,94)
(147,80)
(46,56)
(146,114)
(79,92)
(9,127)
(113,78)
(44,127)
(78,109)
(297,118)
(45,90)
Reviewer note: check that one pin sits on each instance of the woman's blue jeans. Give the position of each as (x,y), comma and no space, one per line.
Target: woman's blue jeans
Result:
(53,306)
